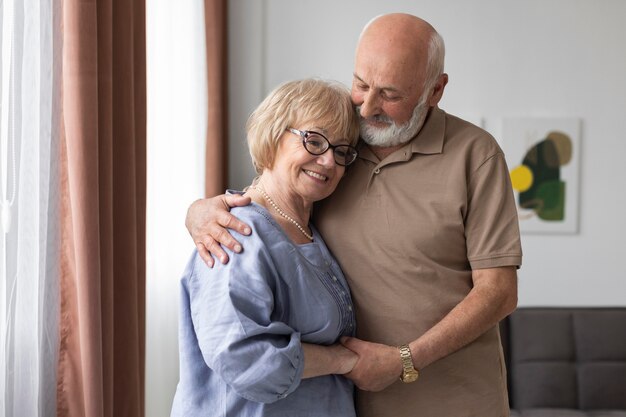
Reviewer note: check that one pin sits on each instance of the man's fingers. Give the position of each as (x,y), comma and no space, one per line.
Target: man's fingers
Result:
(351,343)
(224,238)
(229,221)
(216,250)
(236,200)
(204,254)
(209,221)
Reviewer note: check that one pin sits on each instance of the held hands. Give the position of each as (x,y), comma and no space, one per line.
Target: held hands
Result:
(327,360)
(378,365)
(346,359)
(207,222)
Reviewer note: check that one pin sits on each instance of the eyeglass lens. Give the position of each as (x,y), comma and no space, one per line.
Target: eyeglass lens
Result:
(318,144)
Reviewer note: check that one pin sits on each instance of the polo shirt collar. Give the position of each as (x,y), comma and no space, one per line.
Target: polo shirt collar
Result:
(429,139)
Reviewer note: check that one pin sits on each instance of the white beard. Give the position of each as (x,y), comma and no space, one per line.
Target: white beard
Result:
(394,134)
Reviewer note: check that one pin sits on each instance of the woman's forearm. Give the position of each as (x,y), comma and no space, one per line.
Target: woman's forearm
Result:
(326,360)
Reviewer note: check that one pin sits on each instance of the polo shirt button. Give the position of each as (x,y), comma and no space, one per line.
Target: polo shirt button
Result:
(377,171)
(349,308)
(334,278)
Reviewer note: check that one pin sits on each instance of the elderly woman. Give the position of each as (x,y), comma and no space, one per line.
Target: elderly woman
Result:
(258,336)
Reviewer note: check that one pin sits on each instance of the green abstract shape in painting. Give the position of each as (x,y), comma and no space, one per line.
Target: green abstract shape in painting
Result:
(546,195)
(540,160)
(552,194)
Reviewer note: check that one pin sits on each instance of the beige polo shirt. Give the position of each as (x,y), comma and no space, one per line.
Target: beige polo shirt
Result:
(407,232)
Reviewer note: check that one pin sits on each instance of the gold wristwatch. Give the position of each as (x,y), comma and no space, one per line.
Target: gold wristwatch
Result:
(409,373)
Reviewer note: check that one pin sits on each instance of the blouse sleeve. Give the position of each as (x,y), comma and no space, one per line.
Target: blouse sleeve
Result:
(232,310)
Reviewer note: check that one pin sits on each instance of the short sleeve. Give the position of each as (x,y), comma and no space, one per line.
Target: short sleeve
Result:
(491,223)
(232,309)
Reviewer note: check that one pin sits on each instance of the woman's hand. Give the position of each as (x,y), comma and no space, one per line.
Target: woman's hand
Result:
(207,222)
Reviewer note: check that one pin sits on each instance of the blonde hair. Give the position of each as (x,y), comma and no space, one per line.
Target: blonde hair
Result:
(325,103)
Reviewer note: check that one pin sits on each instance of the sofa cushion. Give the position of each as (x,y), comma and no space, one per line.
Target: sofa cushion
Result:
(602,385)
(567,358)
(544,384)
(601,356)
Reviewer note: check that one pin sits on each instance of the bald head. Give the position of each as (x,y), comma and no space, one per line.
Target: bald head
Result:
(395,24)
(405,40)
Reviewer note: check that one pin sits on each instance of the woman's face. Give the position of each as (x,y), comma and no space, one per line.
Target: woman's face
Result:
(310,177)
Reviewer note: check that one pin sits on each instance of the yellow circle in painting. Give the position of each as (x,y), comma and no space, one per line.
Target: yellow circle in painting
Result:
(521,178)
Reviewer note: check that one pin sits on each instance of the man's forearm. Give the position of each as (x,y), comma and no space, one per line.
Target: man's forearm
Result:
(493,297)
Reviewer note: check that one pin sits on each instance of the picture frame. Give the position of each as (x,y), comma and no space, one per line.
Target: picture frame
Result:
(543,157)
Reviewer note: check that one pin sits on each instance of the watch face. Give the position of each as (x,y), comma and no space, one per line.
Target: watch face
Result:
(410,376)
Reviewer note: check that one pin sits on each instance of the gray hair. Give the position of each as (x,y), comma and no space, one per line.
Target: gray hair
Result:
(436,57)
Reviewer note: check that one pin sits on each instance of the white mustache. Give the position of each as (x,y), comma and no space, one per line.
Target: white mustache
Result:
(376,118)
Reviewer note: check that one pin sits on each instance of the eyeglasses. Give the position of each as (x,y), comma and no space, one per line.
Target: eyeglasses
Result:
(316,144)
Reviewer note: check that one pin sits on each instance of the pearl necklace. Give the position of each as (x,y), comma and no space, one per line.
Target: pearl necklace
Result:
(281,212)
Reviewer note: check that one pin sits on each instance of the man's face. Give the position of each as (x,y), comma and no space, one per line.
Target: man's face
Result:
(387,86)
(376,99)
(394,134)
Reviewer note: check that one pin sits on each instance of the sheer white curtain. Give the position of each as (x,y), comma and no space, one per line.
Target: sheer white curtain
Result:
(177,120)
(28,240)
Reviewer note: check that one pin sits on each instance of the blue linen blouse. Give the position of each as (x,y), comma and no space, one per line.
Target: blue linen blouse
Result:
(241,326)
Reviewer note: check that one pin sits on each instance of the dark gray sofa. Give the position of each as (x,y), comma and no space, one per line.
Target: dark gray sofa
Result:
(566,362)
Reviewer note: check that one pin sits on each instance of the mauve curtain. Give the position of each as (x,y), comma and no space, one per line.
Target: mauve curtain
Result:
(103,188)
(216,19)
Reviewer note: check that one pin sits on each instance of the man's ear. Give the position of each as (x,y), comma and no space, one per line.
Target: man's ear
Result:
(437,93)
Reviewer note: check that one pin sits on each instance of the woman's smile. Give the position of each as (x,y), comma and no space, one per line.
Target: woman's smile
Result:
(315,175)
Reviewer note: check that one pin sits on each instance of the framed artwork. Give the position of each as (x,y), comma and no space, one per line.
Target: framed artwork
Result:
(543,156)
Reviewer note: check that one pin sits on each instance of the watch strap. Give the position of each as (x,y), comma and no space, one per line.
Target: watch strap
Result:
(409,373)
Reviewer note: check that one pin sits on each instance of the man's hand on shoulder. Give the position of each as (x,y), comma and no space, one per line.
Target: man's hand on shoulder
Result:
(207,222)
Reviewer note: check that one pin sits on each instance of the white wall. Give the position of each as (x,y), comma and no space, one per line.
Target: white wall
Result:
(556,58)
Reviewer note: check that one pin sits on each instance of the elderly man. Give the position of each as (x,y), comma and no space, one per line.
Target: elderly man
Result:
(425,228)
